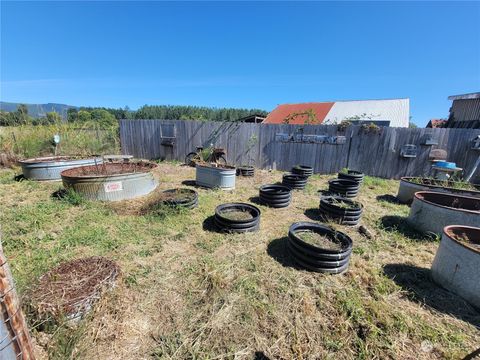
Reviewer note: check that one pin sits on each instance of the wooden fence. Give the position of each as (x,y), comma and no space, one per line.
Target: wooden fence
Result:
(376,153)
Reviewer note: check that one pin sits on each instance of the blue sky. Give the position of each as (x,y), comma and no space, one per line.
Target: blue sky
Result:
(244,54)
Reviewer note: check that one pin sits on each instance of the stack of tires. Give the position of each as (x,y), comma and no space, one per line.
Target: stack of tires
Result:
(181,198)
(247,223)
(344,188)
(276,196)
(293,181)
(245,171)
(316,258)
(341,210)
(353,175)
(303,170)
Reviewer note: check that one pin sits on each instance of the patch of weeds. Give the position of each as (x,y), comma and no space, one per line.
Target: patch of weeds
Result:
(144,252)
(134,277)
(64,343)
(211,243)
(7,177)
(375,182)
(96,235)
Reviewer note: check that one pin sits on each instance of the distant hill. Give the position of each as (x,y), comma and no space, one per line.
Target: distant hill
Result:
(38,110)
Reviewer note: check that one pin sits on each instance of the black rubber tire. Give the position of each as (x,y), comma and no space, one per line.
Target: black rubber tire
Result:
(298,253)
(294,181)
(189,157)
(279,205)
(238,231)
(224,224)
(245,171)
(317,252)
(276,196)
(228,225)
(303,170)
(317,259)
(344,188)
(353,175)
(310,267)
(189,203)
(341,215)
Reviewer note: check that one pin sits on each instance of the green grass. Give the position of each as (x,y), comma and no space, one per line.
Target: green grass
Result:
(75,139)
(188,292)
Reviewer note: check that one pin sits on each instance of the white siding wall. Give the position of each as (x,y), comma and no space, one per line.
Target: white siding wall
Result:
(397,111)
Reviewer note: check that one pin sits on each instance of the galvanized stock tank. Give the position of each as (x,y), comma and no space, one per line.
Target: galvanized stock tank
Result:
(49,168)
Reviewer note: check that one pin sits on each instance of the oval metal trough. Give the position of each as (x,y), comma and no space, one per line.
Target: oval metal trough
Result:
(431,211)
(111,181)
(49,168)
(409,186)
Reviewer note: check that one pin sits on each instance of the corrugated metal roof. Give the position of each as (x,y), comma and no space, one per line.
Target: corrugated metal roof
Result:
(475,95)
(281,112)
(397,111)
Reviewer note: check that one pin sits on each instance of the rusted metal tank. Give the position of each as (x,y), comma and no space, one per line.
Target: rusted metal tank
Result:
(49,168)
(410,185)
(456,266)
(111,181)
(431,211)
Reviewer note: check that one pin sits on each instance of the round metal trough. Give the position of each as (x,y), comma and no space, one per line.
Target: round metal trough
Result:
(431,211)
(111,181)
(49,168)
(456,266)
(408,187)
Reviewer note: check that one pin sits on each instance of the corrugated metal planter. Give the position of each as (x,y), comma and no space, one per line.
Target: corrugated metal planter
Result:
(431,211)
(212,176)
(456,266)
(49,168)
(408,187)
(111,181)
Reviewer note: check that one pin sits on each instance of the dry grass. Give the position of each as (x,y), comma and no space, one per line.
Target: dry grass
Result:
(190,293)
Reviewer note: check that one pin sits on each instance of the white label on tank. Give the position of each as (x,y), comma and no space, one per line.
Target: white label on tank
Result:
(113,186)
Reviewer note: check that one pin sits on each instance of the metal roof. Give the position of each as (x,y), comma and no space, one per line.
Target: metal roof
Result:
(397,111)
(475,95)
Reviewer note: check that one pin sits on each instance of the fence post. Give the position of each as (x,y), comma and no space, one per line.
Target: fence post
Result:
(15,342)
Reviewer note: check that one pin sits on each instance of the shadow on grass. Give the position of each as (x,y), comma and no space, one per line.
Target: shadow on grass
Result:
(389,198)
(190,183)
(277,249)
(59,194)
(395,223)
(260,355)
(417,282)
(256,200)
(314,214)
(209,224)
(325,192)
(474,355)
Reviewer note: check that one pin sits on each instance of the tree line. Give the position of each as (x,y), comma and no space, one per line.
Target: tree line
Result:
(107,117)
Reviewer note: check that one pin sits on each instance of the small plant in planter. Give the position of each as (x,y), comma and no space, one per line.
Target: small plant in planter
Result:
(371,128)
(343,125)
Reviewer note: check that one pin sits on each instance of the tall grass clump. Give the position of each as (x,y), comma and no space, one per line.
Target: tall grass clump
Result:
(75,139)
